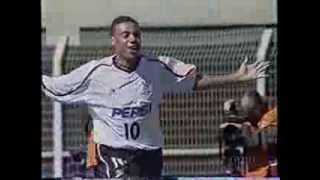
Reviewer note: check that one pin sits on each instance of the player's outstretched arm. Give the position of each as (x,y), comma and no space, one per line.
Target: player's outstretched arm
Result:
(70,88)
(244,73)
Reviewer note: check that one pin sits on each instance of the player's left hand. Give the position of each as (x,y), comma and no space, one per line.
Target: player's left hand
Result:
(252,71)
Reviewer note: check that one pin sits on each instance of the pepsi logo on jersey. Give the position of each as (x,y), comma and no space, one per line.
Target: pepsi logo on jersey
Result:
(132,112)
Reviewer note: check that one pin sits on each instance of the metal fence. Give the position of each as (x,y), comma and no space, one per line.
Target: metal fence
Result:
(190,120)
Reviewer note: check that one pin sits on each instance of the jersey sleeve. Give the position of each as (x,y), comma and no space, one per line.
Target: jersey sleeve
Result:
(71,88)
(176,76)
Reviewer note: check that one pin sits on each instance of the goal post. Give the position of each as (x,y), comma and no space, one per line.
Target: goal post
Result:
(57,109)
(261,56)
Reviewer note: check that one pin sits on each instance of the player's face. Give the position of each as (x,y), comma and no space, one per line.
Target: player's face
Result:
(126,40)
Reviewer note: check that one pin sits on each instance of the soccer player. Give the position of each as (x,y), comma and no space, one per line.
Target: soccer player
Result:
(123,93)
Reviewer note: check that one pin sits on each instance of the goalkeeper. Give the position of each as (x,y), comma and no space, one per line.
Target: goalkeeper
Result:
(123,93)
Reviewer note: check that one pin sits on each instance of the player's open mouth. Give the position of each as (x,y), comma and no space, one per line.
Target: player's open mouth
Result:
(134,49)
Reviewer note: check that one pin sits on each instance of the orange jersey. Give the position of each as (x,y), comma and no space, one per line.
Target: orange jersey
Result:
(258,163)
(269,119)
(91,152)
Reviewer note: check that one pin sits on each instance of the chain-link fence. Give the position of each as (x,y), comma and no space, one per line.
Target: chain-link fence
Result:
(189,120)
(46,112)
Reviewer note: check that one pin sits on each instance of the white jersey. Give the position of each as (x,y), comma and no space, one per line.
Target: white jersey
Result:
(124,106)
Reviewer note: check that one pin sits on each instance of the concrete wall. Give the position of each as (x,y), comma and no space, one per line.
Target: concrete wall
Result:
(64,17)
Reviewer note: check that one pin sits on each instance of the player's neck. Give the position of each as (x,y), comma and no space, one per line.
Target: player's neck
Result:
(127,65)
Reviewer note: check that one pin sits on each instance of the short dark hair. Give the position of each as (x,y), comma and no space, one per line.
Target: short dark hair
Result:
(255,97)
(122,19)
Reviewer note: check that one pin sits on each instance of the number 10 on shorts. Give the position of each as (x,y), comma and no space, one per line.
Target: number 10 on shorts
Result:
(132,131)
